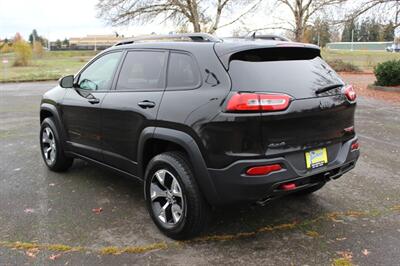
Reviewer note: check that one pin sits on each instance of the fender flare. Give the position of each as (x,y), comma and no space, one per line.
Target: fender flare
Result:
(53,110)
(195,156)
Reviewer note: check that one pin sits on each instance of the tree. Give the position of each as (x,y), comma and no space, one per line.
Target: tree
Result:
(17,37)
(6,48)
(58,43)
(368,30)
(35,37)
(23,53)
(38,49)
(303,11)
(387,10)
(374,30)
(202,15)
(388,32)
(66,42)
(319,33)
(350,30)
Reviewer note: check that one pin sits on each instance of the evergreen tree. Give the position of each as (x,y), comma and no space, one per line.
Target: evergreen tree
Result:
(319,33)
(388,32)
(349,27)
(65,42)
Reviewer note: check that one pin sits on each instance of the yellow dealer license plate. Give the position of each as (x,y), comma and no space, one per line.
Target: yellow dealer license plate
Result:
(316,158)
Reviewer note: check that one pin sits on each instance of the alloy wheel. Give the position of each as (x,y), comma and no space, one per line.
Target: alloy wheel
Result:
(166,197)
(49,147)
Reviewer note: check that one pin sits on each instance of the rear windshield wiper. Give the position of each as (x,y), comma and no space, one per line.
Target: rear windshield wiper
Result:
(328,88)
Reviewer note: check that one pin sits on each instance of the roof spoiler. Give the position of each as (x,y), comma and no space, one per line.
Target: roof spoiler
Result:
(291,47)
(191,37)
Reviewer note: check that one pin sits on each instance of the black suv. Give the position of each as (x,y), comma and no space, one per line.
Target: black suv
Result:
(204,122)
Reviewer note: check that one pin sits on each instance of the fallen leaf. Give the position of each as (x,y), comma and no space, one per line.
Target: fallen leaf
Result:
(32,252)
(54,256)
(312,234)
(29,210)
(346,254)
(365,252)
(97,210)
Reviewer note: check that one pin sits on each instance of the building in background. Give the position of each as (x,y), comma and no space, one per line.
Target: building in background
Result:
(366,46)
(90,42)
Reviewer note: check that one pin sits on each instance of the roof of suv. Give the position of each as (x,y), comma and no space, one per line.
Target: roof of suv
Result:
(222,45)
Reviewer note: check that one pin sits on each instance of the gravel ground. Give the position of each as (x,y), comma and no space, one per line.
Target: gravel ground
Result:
(46,218)
(361,81)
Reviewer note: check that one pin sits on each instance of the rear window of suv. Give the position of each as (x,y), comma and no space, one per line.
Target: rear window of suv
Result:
(294,71)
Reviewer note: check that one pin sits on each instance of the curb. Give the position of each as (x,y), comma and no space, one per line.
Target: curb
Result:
(383,88)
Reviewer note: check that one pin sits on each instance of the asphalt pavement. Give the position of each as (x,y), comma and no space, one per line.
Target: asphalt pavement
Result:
(51,218)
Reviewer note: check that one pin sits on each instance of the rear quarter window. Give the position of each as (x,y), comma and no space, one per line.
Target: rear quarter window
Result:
(183,72)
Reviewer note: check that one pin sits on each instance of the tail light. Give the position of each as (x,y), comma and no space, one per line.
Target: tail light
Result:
(350,93)
(355,146)
(258,102)
(263,170)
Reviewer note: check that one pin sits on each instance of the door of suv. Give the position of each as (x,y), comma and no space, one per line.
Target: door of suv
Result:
(81,106)
(132,106)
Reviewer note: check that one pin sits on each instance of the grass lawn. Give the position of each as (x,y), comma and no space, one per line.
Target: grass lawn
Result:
(51,66)
(365,60)
(55,64)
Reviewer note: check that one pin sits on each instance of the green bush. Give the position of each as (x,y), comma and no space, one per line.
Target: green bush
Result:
(388,73)
(340,66)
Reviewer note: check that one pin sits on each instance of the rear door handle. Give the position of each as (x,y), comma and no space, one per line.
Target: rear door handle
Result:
(94,100)
(146,104)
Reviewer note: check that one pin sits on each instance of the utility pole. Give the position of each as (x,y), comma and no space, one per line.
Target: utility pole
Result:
(396,23)
(352,39)
(95,43)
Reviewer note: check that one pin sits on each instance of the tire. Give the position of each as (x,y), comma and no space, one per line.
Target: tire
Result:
(309,190)
(51,148)
(185,216)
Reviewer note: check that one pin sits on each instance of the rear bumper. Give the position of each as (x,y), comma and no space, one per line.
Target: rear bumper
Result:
(233,185)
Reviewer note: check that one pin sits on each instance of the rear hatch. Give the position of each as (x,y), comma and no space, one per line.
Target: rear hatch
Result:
(318,114)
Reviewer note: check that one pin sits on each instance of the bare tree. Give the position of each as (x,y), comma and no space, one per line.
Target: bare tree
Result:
(302,12)
(203,15)
(387,9)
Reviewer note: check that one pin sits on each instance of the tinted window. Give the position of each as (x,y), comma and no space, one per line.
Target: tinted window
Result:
(142,71)
(294,74)
(99,74)
(182,71)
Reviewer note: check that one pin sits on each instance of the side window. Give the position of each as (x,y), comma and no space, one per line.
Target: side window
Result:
(182,72)
(142,70)
(99,74)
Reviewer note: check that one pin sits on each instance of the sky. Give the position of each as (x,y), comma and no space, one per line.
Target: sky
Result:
(59,19)
(56,19)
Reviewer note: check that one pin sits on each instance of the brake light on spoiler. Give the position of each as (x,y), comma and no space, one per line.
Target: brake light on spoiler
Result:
(258,102)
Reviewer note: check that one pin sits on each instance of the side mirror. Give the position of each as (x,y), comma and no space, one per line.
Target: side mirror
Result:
(67,81)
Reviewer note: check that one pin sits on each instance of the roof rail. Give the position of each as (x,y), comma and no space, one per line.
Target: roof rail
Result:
(193,37)
(253,36)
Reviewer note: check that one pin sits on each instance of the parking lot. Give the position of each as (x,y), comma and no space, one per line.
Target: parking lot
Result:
(49,218)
